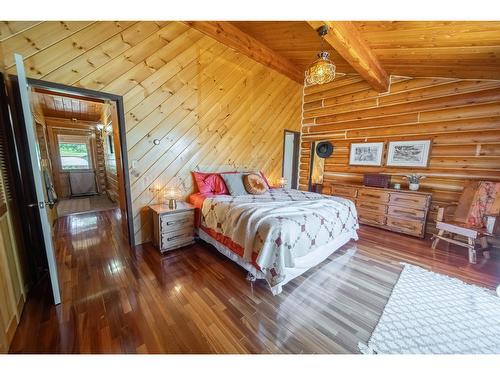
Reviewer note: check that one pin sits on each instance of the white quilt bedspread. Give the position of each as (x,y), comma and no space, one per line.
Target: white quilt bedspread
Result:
(279,226)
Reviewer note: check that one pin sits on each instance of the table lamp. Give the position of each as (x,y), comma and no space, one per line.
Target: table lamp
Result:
(172,194)
(282,181)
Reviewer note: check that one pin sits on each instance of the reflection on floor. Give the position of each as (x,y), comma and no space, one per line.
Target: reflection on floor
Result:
(116,299)
(85,204)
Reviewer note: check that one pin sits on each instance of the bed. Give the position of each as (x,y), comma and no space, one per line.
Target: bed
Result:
(278,235)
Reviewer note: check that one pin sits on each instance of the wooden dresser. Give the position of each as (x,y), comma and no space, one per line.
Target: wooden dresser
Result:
(173,228)
(403,211)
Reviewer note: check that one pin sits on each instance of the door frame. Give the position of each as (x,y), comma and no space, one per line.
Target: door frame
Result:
(118,99)
(295,162)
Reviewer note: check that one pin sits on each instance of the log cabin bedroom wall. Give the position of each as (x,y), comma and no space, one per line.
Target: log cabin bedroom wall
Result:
(198,97)
(460,116)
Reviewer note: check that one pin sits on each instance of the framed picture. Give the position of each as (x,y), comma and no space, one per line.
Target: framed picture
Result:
(408,154)
(366,153)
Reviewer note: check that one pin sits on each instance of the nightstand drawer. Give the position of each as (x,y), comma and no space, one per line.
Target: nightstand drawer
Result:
(173,227)
(172,222)
(172,240)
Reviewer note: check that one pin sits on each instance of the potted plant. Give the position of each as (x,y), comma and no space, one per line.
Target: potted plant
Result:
(414,181)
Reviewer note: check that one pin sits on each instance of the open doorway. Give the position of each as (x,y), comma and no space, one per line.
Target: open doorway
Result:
(81,136)
(290,158)
(76,137)
(51,132)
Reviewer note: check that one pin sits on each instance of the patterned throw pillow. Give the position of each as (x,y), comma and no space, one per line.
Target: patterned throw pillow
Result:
(254,184)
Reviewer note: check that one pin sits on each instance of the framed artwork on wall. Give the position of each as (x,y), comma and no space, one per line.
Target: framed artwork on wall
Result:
(408,153)
(369,154)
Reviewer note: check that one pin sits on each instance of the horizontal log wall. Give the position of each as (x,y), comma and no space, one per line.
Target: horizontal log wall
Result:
(461,117)
(210,107)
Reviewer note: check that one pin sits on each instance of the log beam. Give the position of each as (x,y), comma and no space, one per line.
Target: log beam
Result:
(228,34)
(347,41)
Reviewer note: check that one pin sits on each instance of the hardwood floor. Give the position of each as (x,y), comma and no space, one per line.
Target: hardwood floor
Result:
(194,300)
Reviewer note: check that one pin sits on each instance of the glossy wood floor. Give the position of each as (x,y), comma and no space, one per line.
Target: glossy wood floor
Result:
(119,300)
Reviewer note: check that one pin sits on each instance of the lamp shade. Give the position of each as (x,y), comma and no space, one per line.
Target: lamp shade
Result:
(173,192)
(282,181)
(321,71)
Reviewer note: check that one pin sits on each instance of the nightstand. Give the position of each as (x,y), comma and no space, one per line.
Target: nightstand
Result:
(173,228)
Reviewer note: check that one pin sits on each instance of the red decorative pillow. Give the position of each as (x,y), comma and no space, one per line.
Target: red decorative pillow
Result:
(211,183)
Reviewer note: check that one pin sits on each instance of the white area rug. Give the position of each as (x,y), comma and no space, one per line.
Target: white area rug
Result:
(430,313)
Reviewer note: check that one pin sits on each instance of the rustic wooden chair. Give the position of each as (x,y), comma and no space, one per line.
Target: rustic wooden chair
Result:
(475,217)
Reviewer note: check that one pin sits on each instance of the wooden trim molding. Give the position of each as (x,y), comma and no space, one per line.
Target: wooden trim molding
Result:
(228,34)
(347,41)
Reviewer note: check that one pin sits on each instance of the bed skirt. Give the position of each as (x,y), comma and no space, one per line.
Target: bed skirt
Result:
(302,264)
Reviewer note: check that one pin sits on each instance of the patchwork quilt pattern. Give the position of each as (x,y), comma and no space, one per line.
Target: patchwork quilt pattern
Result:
(279,226)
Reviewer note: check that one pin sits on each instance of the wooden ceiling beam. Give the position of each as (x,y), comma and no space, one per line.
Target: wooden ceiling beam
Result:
(347,41)
(228,34)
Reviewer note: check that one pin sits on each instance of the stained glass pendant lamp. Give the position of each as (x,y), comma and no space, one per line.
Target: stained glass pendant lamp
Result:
(322,70)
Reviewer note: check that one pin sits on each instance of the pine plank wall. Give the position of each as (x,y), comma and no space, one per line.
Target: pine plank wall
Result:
(210,107)
(461,117)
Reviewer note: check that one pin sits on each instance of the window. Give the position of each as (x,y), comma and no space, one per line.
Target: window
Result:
(74,152)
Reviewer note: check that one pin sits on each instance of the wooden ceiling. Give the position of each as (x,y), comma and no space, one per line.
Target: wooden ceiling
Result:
(68,107)
(455,49)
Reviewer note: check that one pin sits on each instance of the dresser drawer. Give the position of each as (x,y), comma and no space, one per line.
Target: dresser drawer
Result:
(374,196)
(374,207)
(406,212)
(405,226)
(408,200)
(172,222)
(172,240)
(370,217)
(344,191)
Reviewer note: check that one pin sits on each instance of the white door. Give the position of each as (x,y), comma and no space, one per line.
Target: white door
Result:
(37,176)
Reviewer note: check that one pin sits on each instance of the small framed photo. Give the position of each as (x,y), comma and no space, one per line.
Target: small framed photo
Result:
(408,154)
(366,153)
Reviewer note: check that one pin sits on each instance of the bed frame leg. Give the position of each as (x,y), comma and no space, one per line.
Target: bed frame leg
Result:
(251,277)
